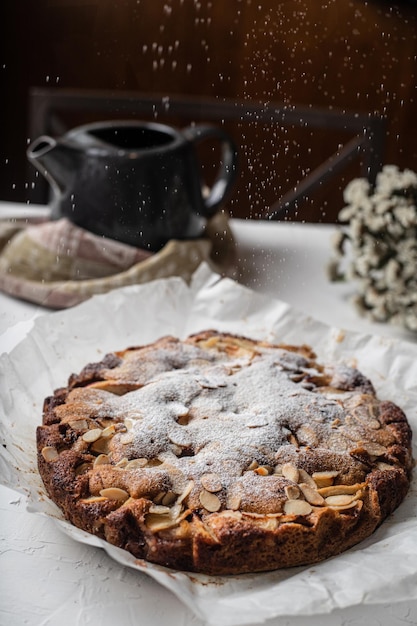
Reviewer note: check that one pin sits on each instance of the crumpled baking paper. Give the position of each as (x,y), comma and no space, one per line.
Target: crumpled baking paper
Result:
(381,569)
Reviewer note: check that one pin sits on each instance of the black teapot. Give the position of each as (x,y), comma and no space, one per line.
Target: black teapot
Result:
(137,182)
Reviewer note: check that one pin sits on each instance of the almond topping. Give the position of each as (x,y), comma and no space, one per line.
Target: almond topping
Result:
(126,438)
(93,499)
(157,522)
(159,509)
(290,472)
(292,492)
(101,446)
(297,507)
(102,459)
(374,449)
(211,482)
(234,501)
(92,435)
(209,501)
(335,490)
(311,495)
(82,468)
(114,493)
(186,491)
(168,498)
(158,498)
(345,507)
(341,500)
(108,431)
(304,477)
(324,479)
(136,463)
(49,453)
(79,424)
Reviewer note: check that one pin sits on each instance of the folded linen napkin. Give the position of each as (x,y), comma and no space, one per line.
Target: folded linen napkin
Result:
(58,264)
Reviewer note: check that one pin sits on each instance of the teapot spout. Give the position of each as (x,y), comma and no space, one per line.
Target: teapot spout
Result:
(55,160)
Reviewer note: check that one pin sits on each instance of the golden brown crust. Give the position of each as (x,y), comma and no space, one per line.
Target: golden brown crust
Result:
(224,455)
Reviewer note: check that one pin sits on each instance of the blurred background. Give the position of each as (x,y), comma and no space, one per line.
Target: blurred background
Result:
(325,62)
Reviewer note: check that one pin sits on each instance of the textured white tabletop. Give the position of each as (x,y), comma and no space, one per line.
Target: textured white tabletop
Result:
(46,578)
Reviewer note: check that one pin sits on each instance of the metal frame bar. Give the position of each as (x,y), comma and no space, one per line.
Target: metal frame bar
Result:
(368,141)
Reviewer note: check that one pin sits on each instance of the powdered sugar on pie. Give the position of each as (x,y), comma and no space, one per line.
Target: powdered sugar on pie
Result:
(224,455)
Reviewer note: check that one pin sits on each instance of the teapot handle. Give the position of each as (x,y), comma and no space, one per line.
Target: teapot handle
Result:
(227,171)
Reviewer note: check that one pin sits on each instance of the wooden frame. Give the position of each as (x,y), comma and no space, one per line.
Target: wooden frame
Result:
(46,107)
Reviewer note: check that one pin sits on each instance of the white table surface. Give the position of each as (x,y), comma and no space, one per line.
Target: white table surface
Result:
(46,578)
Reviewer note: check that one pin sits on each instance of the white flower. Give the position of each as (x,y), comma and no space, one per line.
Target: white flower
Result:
(387,180)
(406,215)
(382,255)
(409,178)
(356,191)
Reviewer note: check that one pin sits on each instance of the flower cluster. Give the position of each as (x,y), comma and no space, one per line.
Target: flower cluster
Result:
(380,243)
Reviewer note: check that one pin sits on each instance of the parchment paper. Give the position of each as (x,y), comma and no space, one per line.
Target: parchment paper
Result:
(381,569)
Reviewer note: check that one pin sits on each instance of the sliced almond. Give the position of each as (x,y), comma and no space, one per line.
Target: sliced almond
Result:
(290,472)
(311,495)
(93,499)
(102,459)
(209,501)
(345,507)
(159,509)
(211,482)
(168,498)
(114,493)
(136,463)
(253,465)
(79,424)
(297,507)
(335,490)
(49,453)
(186,491)
(92,435)
(101,446)
(158,498)
(154,462)
(374,449)
(108,431)
(340,500)
(157,522)
(325,478)
(82,468)
(126,438)
(304,477)
(234,502)
(122,463)
(292,492)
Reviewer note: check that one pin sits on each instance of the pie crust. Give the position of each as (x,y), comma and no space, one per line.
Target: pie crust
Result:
(224,455)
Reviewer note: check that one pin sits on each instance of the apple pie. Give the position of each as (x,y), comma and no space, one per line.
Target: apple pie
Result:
(224,455)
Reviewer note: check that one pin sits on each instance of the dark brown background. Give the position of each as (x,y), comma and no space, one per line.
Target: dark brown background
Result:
(349,55)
